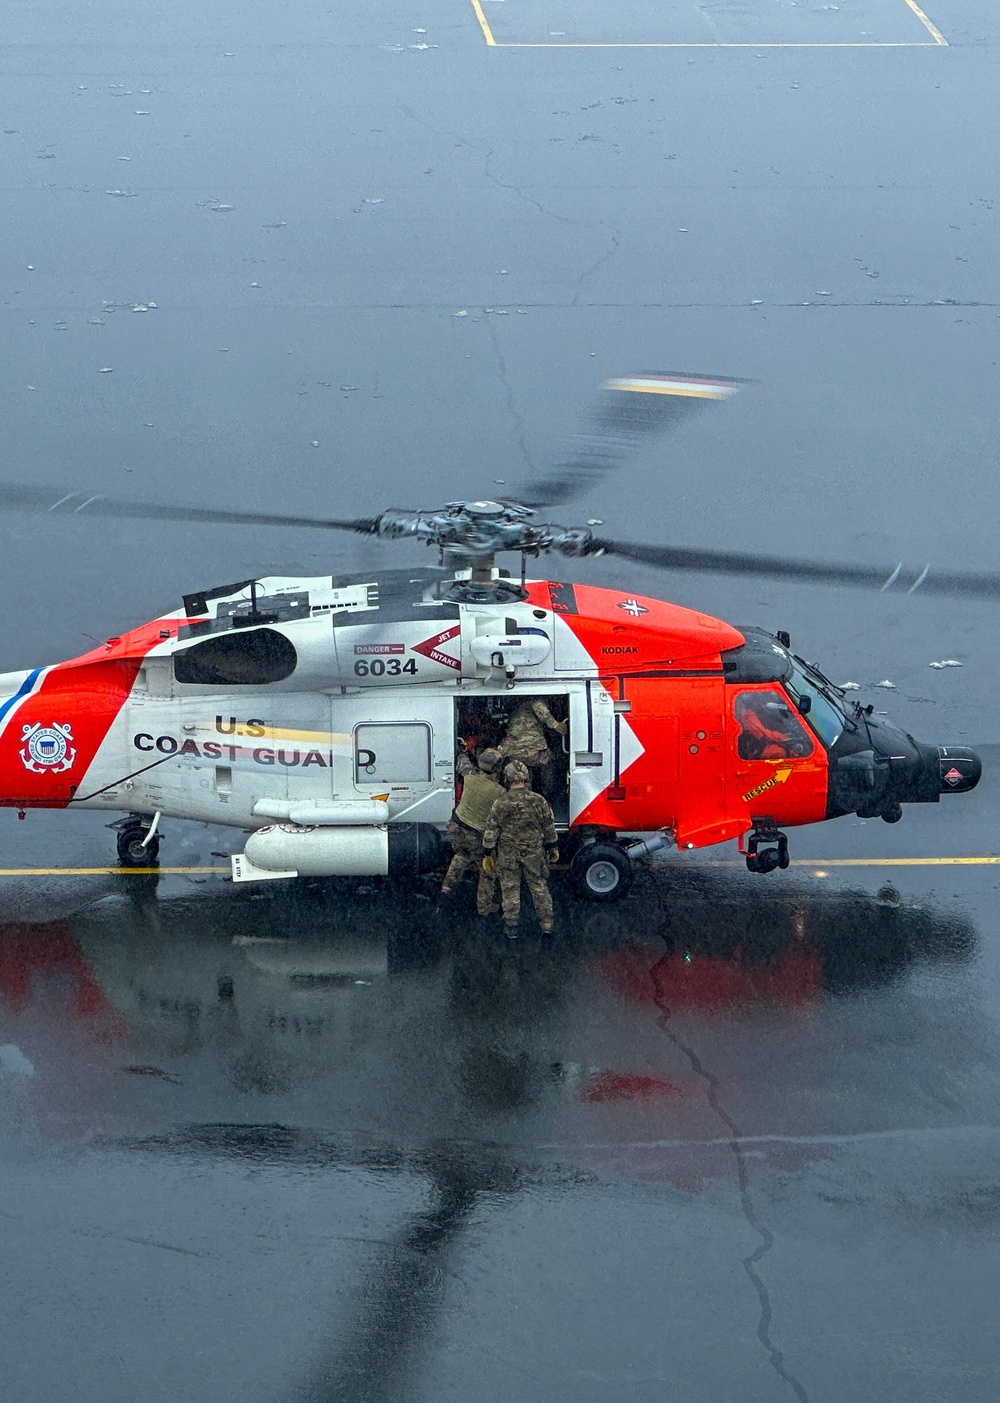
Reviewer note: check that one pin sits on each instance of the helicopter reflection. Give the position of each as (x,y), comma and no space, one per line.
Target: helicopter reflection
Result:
(379,1033)
(387,1011)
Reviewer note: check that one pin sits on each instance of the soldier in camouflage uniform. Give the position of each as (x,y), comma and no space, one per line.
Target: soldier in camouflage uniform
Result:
(520,841)
(525,739)
(479,791)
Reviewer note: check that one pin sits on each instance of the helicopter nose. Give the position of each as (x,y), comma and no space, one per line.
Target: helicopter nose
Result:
(920,773)
(899,770)
(959,769)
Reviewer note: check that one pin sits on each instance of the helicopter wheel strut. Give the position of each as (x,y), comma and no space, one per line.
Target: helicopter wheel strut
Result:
(767,847)
(133,849)
(601,871)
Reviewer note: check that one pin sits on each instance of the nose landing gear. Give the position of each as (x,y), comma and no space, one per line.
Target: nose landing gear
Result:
(767,847)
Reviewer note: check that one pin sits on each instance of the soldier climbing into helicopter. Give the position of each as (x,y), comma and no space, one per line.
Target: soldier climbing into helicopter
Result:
(520,840)
(480,789)
(526,739)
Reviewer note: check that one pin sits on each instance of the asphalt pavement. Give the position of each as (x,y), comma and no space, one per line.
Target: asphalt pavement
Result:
(735,1138)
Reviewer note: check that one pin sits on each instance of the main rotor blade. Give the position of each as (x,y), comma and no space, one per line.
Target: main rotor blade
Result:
(23,497)
(629,411)
(898,578)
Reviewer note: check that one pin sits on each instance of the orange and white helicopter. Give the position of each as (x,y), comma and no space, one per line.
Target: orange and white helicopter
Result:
(325,714)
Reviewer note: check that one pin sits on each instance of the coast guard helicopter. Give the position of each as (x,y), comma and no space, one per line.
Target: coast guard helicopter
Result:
(324,714)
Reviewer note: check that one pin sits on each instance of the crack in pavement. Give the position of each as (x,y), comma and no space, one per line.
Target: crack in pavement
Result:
(473,145)
(737,1144)
(608,253)
(519,427)
(456,137)
(530,199)
(111,1236)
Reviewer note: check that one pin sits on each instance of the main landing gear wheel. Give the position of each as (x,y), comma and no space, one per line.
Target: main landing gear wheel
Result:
(602,872)
(131,852)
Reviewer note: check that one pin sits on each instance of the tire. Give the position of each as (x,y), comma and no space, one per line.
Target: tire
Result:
(131,853)
(602,872)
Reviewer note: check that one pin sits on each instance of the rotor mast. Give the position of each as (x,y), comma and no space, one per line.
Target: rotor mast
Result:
(470,535)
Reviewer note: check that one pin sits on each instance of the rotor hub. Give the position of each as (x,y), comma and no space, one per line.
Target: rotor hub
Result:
(475,532)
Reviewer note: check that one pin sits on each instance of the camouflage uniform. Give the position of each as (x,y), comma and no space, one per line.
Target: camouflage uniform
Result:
(525,739)
(520,830)
(480,789)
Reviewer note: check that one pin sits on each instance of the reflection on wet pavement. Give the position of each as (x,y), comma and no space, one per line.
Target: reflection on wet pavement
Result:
(692,1043)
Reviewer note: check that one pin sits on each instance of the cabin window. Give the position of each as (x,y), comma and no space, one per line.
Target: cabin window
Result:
(243,658)
(385,752)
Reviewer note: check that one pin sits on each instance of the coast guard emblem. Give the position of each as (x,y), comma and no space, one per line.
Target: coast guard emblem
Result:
(47,747)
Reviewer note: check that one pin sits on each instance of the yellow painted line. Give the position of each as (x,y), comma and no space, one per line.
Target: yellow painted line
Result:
(816,44)
(928,25)
(937,39)
(487,32)
(102,871)
(820,864)
(815,863)
(898,862)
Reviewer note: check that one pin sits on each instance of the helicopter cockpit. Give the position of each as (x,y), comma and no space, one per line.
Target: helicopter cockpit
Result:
(768,657)
(769,730)
(874,766)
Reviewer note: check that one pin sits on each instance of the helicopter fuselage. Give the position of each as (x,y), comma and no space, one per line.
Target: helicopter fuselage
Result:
(328,713)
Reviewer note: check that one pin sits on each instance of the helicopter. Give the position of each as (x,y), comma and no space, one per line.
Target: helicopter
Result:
(324,715)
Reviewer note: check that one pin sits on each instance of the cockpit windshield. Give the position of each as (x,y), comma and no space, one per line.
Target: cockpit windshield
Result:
(824,715)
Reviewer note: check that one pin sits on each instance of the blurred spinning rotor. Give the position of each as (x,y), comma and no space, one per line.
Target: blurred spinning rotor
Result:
(629,412)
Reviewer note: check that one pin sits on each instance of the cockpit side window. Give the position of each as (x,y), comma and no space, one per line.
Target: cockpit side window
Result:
(243,658)
(824,716)
(769,729)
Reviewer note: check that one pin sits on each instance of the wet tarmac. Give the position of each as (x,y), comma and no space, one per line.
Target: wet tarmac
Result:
(733,1139)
